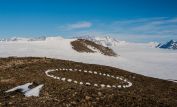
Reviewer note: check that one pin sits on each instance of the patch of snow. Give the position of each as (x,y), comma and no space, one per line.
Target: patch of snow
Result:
(26,90)
(22,88)
(34,92)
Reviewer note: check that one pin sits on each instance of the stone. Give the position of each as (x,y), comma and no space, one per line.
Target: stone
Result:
(87,97)
(99,94)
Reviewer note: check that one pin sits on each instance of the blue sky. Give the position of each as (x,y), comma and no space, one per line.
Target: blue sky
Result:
(132,20)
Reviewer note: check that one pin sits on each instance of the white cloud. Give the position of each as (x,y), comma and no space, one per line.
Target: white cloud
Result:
(146,26)
(143,28)
(139,20)
(78,25)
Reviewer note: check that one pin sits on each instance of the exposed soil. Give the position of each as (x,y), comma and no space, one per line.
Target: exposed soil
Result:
(81,45)
(145,91)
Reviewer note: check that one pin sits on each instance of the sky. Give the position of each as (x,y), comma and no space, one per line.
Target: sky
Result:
(131,20)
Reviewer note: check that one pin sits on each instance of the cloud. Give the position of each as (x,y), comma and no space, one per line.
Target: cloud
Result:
(78,25)
(146,26)
(138,20)
(142,28)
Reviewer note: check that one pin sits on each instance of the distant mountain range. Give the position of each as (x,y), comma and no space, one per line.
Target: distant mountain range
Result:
(105,40)
(153,44)
(22,39)
(169,45)
(109,41)
(42,38)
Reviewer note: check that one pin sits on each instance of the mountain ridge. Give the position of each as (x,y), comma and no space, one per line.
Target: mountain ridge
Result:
(169,45)
(104,40)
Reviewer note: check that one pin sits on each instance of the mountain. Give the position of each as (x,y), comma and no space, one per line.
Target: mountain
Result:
(42,38)
(105,40)
(82,45)
(169,45)
(13,39)
(153,44)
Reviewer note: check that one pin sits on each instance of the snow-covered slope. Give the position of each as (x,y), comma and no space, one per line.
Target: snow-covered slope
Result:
(169,45)
(153,44)
(134,57)
(105,41)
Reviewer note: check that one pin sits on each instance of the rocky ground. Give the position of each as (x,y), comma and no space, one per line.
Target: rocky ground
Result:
(82,45)
(145,91)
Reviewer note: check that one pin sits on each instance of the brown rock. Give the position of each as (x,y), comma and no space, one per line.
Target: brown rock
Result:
(99,94)
(10,103)
(87,97)
(73,102)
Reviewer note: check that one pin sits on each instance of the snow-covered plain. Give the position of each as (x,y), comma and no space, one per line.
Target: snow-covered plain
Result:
(139,58)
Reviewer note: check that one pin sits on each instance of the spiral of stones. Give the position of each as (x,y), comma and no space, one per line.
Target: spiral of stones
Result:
(128,83)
